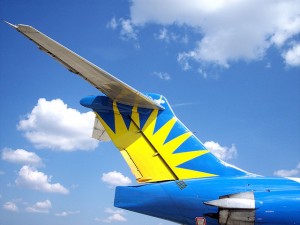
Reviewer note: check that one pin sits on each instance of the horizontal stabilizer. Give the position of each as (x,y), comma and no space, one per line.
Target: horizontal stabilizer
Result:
(109,85)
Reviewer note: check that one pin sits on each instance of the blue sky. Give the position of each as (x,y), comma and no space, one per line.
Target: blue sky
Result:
(230,70)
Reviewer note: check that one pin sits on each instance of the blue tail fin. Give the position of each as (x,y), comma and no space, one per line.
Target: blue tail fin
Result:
(155,144)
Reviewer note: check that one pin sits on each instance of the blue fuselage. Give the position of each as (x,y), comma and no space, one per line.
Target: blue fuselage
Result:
(277,200)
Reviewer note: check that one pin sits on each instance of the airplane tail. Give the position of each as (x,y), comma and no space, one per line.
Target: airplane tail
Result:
(154,143)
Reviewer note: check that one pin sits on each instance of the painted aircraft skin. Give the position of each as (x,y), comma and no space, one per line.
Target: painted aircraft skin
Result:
(180,180)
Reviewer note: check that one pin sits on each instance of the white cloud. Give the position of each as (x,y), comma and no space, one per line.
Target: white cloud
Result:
(51,124)
(114,211)
(203,73)
(182,58)
(113,24)
(67,213)
(116,216)
(288,173)
(292,56)
(227,31)
(10,206)
(163,35)
(127,30)
(40,207)
(115,178)
(167,36)
(33,179)
(162,75)
(288,28)
(21,156)
(222,152)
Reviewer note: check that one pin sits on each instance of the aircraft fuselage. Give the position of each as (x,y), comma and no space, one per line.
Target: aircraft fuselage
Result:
(276,200)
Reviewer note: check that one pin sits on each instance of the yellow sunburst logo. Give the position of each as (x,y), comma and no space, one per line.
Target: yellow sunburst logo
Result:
(147,154)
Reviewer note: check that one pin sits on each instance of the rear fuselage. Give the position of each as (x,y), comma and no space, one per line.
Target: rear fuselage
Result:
(276,200)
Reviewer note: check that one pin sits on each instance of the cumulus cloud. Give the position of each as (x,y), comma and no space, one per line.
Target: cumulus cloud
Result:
(168,36)
(30,178)
(67,213)
(227,31)
(222,152)
(127,29)
(115,178)
(116,216)
(51,124)
(21,156)
(163,35)
(40,207)
(10,206)
(162,75)
(292,56)
(288,173)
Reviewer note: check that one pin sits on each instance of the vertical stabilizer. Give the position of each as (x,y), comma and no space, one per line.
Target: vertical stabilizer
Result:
(154,143)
